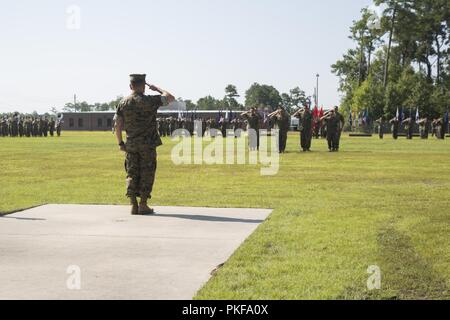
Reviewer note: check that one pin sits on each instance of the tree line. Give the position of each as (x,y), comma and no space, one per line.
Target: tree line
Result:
(258,95)
(400,60)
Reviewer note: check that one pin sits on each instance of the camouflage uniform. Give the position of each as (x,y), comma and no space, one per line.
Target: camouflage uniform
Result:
(395,127)
(254,120)
(409,126)
(138,113)
(283,122)
(341,123)
(380,127)
(332,127)
(306,130)
(51,127)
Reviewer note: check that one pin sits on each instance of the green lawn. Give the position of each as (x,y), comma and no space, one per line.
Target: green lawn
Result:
(383,203)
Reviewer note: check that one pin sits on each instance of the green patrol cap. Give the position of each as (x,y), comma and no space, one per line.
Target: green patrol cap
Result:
(137,78)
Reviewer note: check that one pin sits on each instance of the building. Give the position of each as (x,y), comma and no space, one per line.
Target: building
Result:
(104,121)
(87,121)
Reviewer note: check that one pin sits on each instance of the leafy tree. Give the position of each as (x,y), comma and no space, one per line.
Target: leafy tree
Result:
(209,103)
(262,96)
(230,101)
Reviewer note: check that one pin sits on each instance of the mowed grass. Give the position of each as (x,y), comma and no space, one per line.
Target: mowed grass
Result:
(383,203)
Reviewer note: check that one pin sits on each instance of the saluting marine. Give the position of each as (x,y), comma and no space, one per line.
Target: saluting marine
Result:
(380,127)
(305,127)
(254,121)
(332,126)
(423,128)
(283,121)
(409,126)
(136,114)
(395,127)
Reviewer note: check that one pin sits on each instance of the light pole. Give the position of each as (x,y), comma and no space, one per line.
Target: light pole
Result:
(317,93)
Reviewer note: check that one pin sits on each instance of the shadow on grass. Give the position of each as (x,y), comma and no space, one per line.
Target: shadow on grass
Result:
(405,272)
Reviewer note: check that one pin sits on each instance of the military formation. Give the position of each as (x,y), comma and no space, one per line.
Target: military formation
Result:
(328,126)
(167,125)
(436,127)
(18,125)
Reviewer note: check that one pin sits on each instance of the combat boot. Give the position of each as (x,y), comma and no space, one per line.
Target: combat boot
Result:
(144,209)
(134,206)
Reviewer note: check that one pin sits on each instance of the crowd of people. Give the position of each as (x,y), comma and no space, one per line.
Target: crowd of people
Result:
(328,125)
(436,127)
(18,125)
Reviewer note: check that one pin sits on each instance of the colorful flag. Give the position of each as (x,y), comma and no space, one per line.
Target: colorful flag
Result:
(366,117)
(316,112)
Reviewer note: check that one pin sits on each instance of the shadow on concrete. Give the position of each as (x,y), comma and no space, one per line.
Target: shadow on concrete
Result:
(25,219)
(206,218)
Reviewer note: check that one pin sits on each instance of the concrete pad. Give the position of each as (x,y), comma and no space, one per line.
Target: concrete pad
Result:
(166,256)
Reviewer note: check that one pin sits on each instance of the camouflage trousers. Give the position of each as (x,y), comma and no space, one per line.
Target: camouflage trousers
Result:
(305,139)
(141,166)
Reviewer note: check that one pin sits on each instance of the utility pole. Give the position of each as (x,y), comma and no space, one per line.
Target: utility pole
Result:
(317,90)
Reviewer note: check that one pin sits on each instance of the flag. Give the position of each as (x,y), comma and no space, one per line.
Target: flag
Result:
(417,116)
(366,117)
(397,115)
(316,112)
(321,113)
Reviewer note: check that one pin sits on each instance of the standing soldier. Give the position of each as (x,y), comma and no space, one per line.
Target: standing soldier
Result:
(395,127)
(409,126)
(439,128)
(254,120)
(40,123)
(137,114)
(380,127)
(44,126)
(3,127)
(341,124)
(15,125)
(332,123)
(59,123)
(283,121)
(306,127)
(423,128)
(51,126)
(34,127)
(28,127)
(21,126)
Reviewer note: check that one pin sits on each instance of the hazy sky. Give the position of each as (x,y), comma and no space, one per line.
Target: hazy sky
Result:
(192,48)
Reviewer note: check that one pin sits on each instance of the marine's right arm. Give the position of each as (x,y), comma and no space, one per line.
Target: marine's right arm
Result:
(119,125)
(167,97)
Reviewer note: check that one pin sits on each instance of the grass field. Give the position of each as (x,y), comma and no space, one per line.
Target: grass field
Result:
(383,203)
